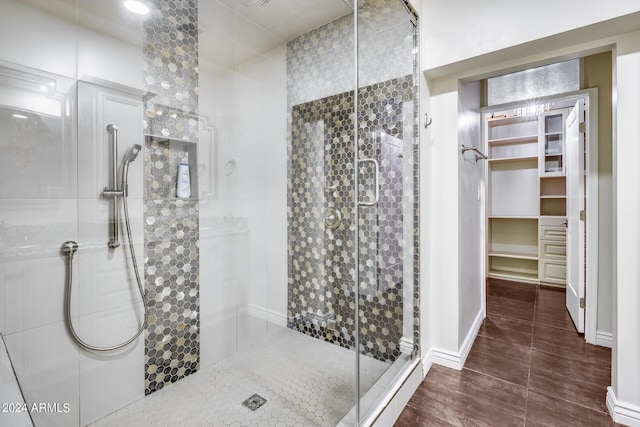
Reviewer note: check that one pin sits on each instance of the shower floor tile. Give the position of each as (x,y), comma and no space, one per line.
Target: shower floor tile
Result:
(305,382)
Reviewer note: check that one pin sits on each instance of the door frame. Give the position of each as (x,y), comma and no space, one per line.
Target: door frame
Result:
(590,97)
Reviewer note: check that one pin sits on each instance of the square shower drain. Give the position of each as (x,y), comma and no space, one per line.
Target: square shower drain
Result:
(254,402)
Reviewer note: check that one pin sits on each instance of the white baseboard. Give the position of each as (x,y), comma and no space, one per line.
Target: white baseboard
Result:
(622,412)
(604,339)
(447,358)
(427,362)
(270,316)
(456,360)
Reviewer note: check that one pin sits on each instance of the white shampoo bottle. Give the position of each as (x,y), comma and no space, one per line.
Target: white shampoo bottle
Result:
(183,189)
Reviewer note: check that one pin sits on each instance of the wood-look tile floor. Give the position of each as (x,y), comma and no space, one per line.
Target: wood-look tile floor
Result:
(528,366)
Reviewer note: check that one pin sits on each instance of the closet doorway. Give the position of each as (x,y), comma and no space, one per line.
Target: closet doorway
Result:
(541,181)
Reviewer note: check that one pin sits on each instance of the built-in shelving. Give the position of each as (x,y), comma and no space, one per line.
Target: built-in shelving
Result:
(526,187)
(513,202)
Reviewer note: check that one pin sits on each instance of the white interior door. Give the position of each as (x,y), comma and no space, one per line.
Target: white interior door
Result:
(574,160)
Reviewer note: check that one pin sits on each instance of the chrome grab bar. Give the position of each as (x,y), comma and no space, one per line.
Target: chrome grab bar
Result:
(479,154)
(376,188)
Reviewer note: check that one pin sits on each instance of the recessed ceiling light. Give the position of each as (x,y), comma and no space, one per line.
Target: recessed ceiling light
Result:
(19,116)
(136,7)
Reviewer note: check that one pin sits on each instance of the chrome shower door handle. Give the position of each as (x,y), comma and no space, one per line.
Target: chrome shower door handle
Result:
(376,185)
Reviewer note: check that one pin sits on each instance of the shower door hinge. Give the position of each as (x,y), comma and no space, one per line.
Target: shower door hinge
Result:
(415,353)
(582,127)
(581,302)
(583,215)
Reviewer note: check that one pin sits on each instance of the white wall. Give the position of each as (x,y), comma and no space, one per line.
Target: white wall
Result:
(440,214)
(626,349)
(470,223)
(106,308)
(243,251)
(454,31)
(25,27)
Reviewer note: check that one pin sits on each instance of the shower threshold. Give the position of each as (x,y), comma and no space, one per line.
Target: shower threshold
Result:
(305,381)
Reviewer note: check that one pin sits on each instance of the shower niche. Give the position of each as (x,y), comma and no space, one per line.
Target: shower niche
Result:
(163,156)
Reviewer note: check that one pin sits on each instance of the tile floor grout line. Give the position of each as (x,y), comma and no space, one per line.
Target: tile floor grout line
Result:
(567,357)
(569,401)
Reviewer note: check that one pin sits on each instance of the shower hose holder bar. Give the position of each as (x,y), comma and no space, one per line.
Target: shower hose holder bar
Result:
(113,192)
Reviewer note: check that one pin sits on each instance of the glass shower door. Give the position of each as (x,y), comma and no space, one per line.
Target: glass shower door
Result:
(387,197)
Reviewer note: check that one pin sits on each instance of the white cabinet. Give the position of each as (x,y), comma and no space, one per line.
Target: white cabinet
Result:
(553,197)
(553,272)
(552,147)
(553,251)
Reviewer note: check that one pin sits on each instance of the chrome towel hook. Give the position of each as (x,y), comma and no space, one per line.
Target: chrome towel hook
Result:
(427,120)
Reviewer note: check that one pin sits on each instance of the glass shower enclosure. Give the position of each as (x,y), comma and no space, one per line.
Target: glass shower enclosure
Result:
(273,210)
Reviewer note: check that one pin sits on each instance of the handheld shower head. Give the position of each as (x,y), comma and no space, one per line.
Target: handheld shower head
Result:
(129,157)
(132,153)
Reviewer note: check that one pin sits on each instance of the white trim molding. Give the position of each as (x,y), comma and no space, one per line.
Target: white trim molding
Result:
(622,412)
(264,313)
(604,339)
(427,362)
(455,360)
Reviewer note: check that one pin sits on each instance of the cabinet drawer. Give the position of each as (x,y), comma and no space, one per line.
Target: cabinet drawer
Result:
(555,249)
(552,271)
(553,221)
(553,233)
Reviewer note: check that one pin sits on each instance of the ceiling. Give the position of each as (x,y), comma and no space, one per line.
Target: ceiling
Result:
(229,33)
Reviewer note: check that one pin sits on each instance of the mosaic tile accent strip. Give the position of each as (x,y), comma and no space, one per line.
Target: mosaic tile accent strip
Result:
(171,69)
(172,341)
(382,14)
(170,48)
(321,262)
(320,63)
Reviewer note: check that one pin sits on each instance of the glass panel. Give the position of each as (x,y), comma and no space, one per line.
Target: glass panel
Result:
(550,79)
(387,152)
(321,224)
(38,202)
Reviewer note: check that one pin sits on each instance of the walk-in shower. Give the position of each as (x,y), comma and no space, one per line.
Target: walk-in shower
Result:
(287,271)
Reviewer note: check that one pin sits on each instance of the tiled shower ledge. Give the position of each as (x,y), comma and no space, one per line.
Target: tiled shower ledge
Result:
(304,380)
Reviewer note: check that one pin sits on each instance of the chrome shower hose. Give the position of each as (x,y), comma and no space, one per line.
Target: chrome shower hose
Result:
(68,249)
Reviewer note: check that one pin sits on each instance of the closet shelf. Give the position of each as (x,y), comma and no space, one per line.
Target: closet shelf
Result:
(514,140)
(526,217)
(513,159)
(514,255)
